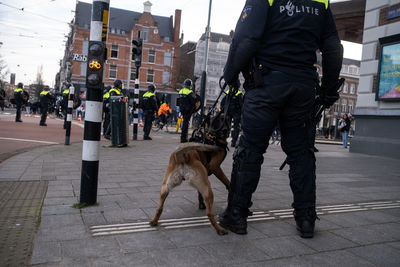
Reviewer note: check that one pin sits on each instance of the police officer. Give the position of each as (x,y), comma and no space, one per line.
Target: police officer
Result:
(187,100)
(115,91)
(19,100)
(106,110)
(234,110)
(279,40)
(149,106)
(45,98)
(65,95)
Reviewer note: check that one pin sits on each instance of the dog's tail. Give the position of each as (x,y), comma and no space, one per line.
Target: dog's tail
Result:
(183,148)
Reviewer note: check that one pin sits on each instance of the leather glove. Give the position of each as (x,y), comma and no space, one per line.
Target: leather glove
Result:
(328,98)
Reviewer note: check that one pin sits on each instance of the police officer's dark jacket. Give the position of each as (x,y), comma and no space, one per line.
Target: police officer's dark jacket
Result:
(45,98)
(18,96)
(186,100)
(65,98)
(284,35)
(235,103)
(148,102)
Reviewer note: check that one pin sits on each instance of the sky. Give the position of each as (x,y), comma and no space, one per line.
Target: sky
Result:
(35,36)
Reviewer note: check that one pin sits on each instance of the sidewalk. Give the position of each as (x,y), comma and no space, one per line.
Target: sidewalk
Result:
(358,199)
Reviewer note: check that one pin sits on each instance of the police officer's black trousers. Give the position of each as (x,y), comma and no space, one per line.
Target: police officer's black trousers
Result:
(43,110)
(290,102)
(185,126)
(236,127)
(106,124)
(148,120)
(18,113)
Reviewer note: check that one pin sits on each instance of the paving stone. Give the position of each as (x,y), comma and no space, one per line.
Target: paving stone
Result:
(55,221)
(279,247)
(235,252)
(144,242)
(364,235)
(45,252)
(275,228)
(325,241)
(378,254)
(62,233)
(181,257)
(90,247)
(141,259)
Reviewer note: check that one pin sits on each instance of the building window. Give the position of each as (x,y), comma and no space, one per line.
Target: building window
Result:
(165,77)
(150,76)
(152,56)
(83,68)
(345,88)
(336,107)
(344,106)
(145,34)
(85,46)
(352,88)
(114,51)
(351,105)
(113,71)
(167,58)
(133,74)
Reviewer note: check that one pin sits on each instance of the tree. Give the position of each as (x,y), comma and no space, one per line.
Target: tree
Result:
(3,71)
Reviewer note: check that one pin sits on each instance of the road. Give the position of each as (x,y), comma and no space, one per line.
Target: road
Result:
(19,137)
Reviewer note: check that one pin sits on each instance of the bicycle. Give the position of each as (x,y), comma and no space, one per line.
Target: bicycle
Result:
(159,125)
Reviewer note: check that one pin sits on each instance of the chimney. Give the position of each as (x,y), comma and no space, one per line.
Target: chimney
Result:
(147,7)
(177,25)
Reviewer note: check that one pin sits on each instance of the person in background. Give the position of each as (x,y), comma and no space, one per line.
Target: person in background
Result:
(187,100)
(148,104)
(163,112)
(344,126)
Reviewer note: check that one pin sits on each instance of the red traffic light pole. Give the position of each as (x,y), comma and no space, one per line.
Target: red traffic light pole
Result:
(94,101)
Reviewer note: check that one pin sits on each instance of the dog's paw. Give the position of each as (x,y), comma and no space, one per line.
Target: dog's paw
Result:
(153,223)
(222,231)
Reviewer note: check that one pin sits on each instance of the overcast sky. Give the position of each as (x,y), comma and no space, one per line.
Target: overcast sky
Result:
(34,36)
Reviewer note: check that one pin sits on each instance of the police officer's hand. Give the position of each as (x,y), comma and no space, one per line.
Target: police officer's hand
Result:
(328,98)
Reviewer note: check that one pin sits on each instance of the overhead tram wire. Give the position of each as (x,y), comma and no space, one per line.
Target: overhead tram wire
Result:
(32,13)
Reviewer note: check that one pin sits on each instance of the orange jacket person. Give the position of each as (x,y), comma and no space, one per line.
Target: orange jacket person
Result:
(164,109)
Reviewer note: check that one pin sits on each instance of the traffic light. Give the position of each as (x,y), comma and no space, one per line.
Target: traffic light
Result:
(95,65)
(137,51)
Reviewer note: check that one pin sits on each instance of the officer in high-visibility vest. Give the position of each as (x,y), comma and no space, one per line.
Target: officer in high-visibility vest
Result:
(65,95)
(149,105)
(18,96)
(234,111)
(106,110)
(45,98)
(115,91)
(187,100)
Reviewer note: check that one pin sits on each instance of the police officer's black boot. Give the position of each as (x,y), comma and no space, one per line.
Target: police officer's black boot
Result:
(305,221)
(234,220)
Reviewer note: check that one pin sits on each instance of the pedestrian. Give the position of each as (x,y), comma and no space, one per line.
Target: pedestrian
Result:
(130,114)
(234,111)
(115,91)
(279,40)
(163,112)
(19,100)
(344,126)
(2,98)
(187,101)
(45,99)
(149,106)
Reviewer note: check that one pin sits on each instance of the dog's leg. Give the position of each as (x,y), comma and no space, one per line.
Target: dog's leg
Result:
(209,200)
(219,173)
(202,206)
(163,195)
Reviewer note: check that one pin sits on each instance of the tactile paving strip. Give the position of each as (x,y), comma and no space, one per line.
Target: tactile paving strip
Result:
(20,205)
(138,227)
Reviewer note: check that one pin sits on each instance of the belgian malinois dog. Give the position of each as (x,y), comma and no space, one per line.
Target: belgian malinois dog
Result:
(194,162)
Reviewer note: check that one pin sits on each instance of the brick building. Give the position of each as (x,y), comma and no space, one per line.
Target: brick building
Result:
(161,43)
